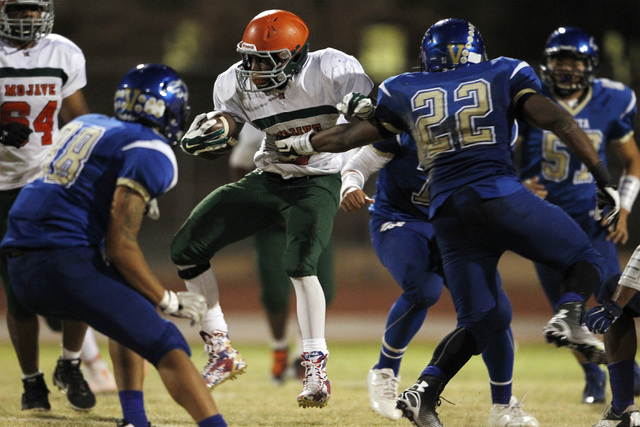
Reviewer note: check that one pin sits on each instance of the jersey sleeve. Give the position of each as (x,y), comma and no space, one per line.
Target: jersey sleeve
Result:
(345,72)
(148,168)
(623,128)
(388,105)
(523,80)
(74,66)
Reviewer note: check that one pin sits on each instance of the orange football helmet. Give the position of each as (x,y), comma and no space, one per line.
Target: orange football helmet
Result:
(277,38)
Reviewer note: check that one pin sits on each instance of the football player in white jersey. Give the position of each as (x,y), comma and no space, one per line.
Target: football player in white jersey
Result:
(282,89)
(41,76)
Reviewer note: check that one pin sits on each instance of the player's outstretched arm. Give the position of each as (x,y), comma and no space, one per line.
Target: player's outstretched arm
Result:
(124,253)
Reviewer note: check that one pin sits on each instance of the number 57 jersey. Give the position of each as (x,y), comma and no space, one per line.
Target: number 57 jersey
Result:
(33,83)
(463,122)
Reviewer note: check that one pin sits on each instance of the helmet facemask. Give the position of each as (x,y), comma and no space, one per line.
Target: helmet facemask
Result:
(564,80)
(26,29)
(281,65)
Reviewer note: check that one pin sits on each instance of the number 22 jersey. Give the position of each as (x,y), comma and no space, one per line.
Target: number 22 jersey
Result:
(463,122)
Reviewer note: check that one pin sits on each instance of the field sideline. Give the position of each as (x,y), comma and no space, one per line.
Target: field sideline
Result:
(549,377)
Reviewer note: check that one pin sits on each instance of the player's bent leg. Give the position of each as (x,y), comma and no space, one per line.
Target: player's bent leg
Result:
(185,385)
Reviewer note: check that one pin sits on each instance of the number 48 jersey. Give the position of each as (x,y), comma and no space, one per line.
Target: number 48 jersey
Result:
(33,83)
(463,122)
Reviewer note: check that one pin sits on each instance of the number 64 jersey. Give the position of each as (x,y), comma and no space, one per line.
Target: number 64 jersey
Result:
(463,123)
(33,83)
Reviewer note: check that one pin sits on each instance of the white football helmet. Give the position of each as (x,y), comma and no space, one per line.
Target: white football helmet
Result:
(26,29)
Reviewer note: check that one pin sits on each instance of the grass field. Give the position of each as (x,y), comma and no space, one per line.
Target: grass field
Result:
(549,377)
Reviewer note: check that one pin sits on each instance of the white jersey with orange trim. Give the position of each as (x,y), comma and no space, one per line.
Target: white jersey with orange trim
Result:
(33,83)
(307,102)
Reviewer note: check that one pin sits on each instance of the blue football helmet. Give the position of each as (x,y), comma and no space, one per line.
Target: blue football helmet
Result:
(574,43)
(25,29)
(156,96)
(451,43)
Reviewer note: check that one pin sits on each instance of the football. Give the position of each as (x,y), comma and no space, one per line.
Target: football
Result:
(210,135)
(221,121)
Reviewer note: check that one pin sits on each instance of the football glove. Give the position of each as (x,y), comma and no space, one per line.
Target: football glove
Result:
(186,305)
(607,197)
(152,211)
(295,146)
(206,135)
(600,318)
(14,134)
(357,105)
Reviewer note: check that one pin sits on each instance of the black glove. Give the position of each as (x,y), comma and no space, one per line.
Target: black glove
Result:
(14,134)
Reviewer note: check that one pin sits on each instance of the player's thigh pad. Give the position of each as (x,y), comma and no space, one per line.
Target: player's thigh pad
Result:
(76,284)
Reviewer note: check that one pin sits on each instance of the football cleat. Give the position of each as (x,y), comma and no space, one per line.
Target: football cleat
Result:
(511,415)
(594,388)
(296,369)
(566,329)
(99,377)
(418,403)
(69,379)
(36,394)
(316,388)
(224,363)
(279,368)
(629,418)
(383,391)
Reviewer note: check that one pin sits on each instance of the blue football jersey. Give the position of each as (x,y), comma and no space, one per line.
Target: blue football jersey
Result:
(69,204)
(401,188)
(607,115)
(463,122)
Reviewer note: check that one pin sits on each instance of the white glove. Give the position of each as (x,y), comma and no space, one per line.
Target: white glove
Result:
(202,136)
(153,210)
(186,305)
(295,146)
(607,197)
(357,105)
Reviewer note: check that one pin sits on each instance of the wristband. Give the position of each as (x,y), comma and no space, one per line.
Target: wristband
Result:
(628,188)
(169,303)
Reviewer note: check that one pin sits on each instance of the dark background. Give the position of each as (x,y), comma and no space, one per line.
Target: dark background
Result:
(198,38)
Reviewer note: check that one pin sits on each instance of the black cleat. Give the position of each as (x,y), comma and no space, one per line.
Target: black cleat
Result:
(36,394)
(68,378)
(418,403)
(566,329)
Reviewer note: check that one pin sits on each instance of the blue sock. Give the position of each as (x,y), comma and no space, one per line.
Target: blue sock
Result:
(499,357)
(132,403)
(621,379)
(434,371)
(590,367)
(403,322)
(213,421)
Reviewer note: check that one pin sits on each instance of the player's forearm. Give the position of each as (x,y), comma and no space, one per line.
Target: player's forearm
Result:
(344,137)
(128,259)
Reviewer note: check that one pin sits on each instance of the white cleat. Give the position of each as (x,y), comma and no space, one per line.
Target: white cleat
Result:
(511,415)
(383,392)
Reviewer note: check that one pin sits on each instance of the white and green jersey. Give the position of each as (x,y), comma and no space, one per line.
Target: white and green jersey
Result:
(33,83)
(307,102)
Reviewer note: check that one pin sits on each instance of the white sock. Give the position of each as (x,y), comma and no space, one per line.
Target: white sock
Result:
(315,345)
(206,284)
(311,307)
(214,320)
(68,354)
(90,350)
